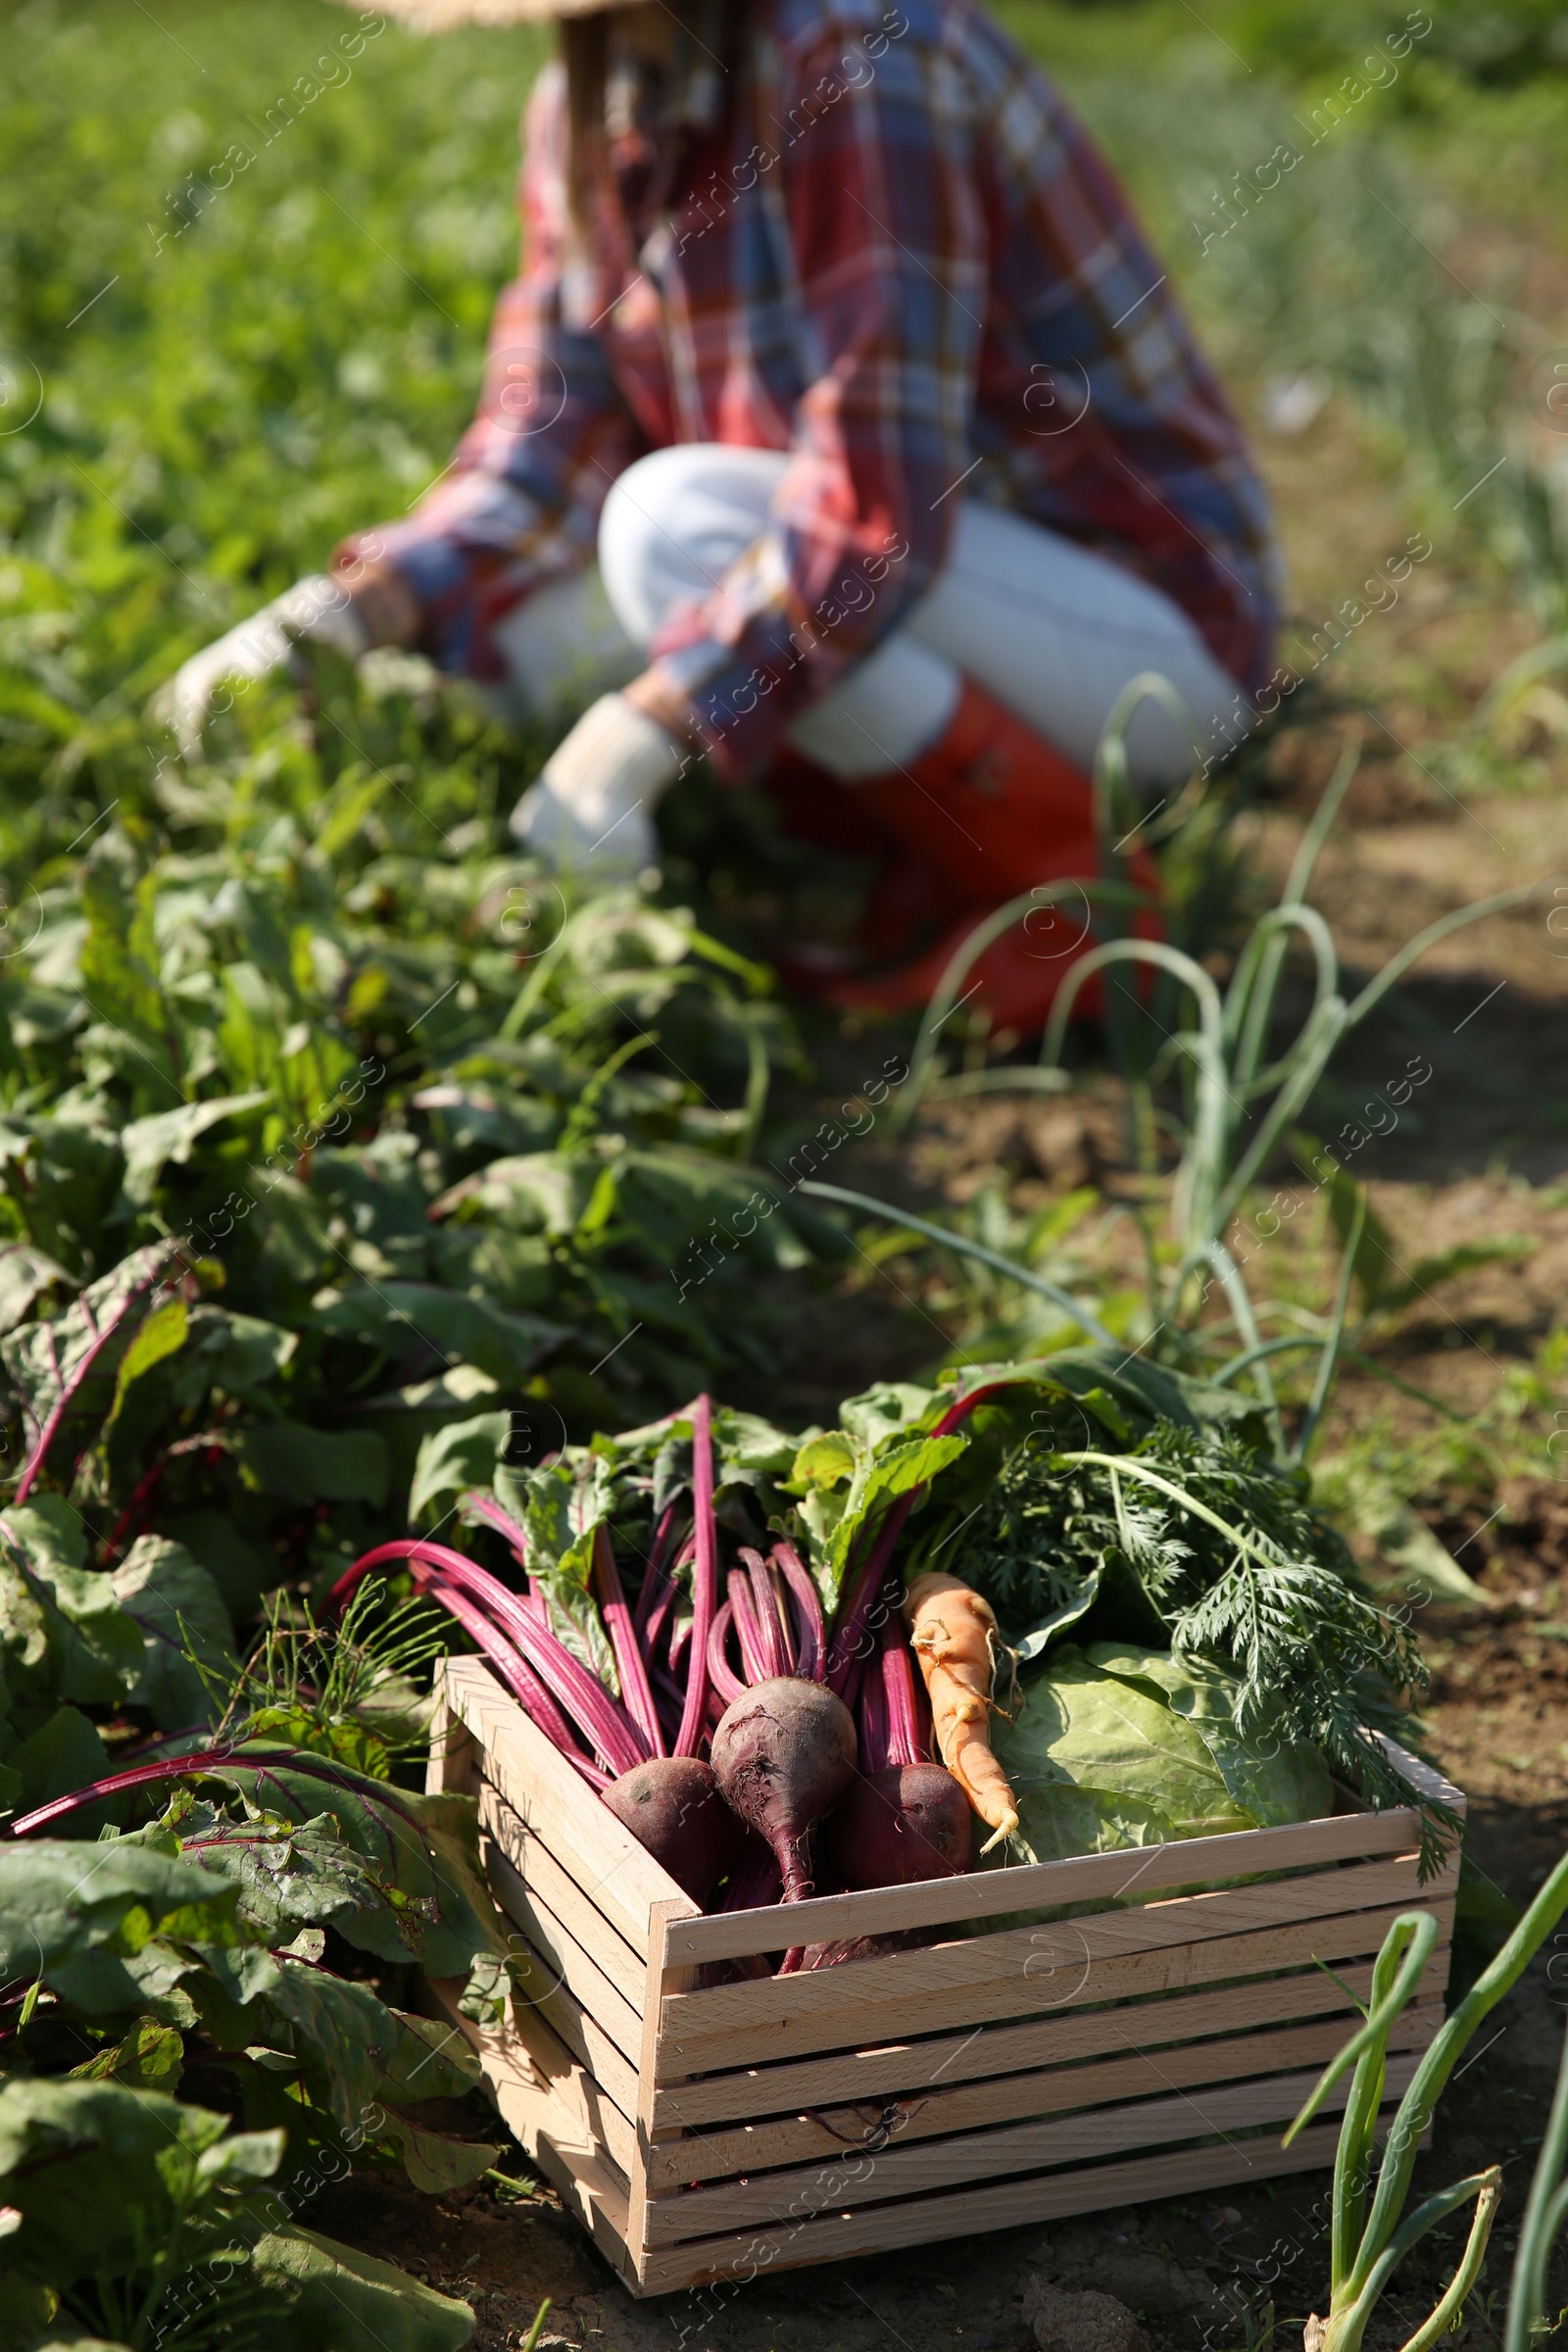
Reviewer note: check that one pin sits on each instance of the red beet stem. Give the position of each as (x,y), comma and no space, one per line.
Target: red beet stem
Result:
(73,1381)
(508,1661)
(671,1694)
(772,1624)
(135,1776)
(754,1647)
(405,1547)
(909,1708)
(659,1620)
(485,1509)
(636,1697)
(655,1576)
(614,1737)
(965,1407)
(667,1608)
(207,1759)
(847,1654)
(704,1579)
(871,1723)
(721,1673)
(810,1642)
(519,1679)
(852,1640)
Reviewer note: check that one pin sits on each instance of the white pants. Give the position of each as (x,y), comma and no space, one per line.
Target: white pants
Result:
(1051,629)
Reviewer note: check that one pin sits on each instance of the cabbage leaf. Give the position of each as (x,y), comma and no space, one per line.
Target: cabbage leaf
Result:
(1122,1747)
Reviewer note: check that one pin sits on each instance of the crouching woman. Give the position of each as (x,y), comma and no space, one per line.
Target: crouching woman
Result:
(842,429)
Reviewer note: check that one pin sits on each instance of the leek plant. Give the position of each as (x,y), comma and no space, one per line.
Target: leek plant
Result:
(1371,2232)
(1236,1102)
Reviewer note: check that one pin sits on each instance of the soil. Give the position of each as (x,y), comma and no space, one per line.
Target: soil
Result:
(1444,809)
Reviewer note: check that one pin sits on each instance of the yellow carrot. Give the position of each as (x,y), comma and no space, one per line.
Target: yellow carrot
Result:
(952,1631)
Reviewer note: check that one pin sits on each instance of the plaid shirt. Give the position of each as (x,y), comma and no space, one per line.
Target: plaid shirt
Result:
(885,246)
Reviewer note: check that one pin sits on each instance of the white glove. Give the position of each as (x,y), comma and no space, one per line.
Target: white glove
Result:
(593,806)
(318,608)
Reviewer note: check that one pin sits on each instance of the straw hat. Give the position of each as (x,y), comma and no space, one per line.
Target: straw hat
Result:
(446,16)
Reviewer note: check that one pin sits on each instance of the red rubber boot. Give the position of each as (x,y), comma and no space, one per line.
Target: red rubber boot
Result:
(913,900)
(998,810)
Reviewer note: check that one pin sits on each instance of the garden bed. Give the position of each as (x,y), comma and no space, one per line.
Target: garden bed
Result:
(707,2131)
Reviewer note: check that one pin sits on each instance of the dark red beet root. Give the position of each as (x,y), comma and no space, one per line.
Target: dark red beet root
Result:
(865,1947)
(672,1805)
(898,1827)
(784,1754)
(734,1972)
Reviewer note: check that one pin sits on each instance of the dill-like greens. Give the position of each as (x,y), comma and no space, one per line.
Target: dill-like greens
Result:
(1227,1549)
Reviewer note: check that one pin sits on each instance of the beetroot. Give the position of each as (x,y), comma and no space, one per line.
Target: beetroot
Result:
(865,1947)
(898,1827)
(784,1754)
(672,1805)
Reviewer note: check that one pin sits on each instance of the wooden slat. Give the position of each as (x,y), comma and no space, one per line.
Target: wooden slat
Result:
(862,2177)
(1425,1778)
(564,1955)
(525,2063)
(540,1987)
(453,1760)
(820,2138)
(882,2072)
(556,2138)
(1008,1975)
(1088,1878)
(659,1975)
(554,1885)
(1131,1977)
(612,1870)
(833,2236)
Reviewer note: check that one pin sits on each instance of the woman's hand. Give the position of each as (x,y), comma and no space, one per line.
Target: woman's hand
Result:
(383,600)
(592,809)
(348,614)
(661,698)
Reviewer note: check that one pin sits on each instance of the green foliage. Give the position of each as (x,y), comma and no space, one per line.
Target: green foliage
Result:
(333,1143)
(119,2192)
(210,1923)
(1371,2232)
(192,1947)
(1270,1779)
(1115,1498)
(402,1131)
(339,2300)
(338,1285)
(874,1467)
(1116,1747)
(138,2217)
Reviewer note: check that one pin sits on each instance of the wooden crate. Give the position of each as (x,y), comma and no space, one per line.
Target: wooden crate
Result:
(1137,2049)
